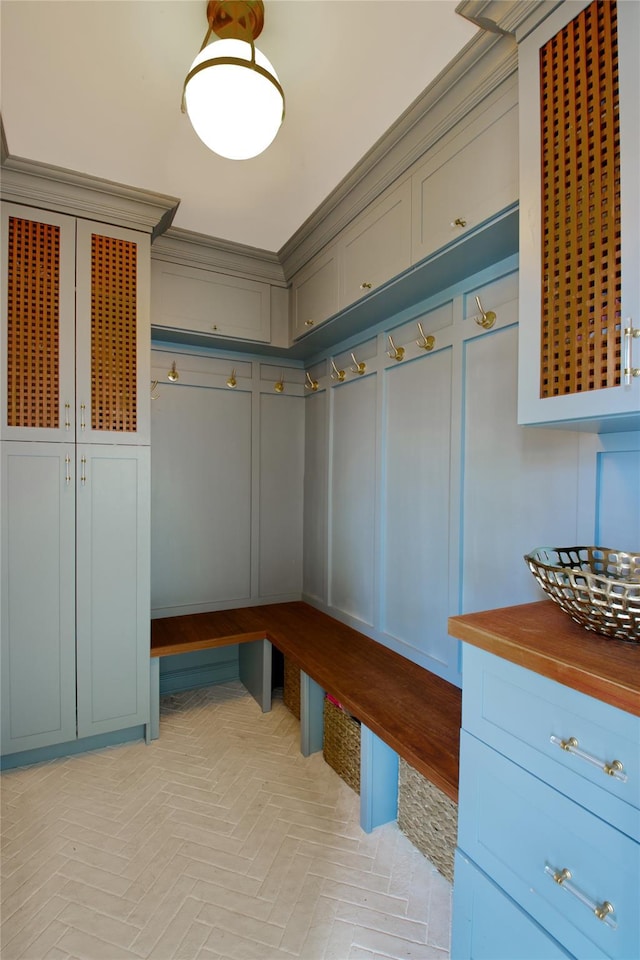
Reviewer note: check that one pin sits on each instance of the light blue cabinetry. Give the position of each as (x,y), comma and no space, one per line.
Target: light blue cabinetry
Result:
(421,470)
(530,811)
(594,404)
(490,925)
(38,595)
(75,510)
(112,588)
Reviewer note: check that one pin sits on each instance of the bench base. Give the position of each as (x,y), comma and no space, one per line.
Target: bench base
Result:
(254,659)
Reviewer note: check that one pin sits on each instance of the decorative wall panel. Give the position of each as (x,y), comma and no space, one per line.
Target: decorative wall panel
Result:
(580,146)
(33,315)
(113,334)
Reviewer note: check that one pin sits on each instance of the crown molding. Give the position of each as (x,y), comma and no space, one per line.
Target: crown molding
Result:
(210,253)
(80,195)
(480,67)
(516,17)
(4,147)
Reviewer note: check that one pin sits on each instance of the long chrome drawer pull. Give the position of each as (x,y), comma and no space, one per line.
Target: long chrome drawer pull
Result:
(602,911)
(614,769)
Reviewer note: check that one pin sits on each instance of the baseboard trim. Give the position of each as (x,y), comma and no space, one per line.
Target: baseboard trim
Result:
(71,747)
(189,678)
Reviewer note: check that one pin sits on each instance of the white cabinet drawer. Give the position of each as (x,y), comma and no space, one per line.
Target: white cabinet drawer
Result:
(488,925)
(514,826)
(203,301)
(517,712)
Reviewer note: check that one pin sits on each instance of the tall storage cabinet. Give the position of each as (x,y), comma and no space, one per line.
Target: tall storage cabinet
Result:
(75,479)
(579,77)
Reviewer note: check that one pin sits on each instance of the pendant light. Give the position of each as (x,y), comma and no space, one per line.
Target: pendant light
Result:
(231,93)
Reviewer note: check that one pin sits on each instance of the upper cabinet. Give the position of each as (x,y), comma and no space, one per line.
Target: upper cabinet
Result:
(208,302)
(75,329)
(377,245)
(469,180)
(579,218)
(315,291)
(457,190)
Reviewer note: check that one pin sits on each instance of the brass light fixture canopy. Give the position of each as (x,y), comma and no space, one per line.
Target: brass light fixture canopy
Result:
(236,19)
(232,93)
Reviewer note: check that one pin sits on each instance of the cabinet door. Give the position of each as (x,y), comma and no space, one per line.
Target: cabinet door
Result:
(475,177)
(113,587)
(38,315)
(579,227)
(112,335)
(38,592)
(215,304)
(315,292)
(377,246)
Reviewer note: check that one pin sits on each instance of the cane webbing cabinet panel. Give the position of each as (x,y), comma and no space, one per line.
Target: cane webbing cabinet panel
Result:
(581,230)
(33,319)
(113,334)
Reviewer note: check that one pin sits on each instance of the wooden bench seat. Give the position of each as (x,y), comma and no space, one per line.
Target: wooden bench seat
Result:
(410,709)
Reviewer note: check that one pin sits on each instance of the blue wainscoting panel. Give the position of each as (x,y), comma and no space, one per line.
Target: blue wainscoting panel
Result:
(618,493)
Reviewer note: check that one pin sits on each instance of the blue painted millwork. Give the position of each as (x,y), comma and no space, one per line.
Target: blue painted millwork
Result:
(378,781)
(617,521)
(255,671)
(527,807)
(71,747)
(489,925)
(200,668)
(311,715)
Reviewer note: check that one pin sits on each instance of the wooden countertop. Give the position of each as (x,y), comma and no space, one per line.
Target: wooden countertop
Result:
(411,709)
(541,637)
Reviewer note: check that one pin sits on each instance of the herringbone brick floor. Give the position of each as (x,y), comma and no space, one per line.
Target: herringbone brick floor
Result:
(219,840)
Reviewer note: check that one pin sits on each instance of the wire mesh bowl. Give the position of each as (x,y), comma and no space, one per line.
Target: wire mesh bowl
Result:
(599,588)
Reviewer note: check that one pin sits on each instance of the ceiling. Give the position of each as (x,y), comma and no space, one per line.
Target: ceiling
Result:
(95,86)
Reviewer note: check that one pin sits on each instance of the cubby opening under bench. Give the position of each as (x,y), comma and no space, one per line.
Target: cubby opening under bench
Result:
(405,710)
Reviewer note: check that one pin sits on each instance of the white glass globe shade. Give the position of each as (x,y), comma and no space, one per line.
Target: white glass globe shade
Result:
(234,110)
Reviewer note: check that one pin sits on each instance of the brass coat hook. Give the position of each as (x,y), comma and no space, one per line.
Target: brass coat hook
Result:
(358,368)
(396,353)
(338,375)
(485,320)
(425,342)
(173,374)
(311,384)
(154,386)
(279,384)
(232,382)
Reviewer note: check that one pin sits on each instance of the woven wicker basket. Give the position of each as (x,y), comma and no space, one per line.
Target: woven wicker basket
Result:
(428,818)
(291,687)
(599,588)
(341,744)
